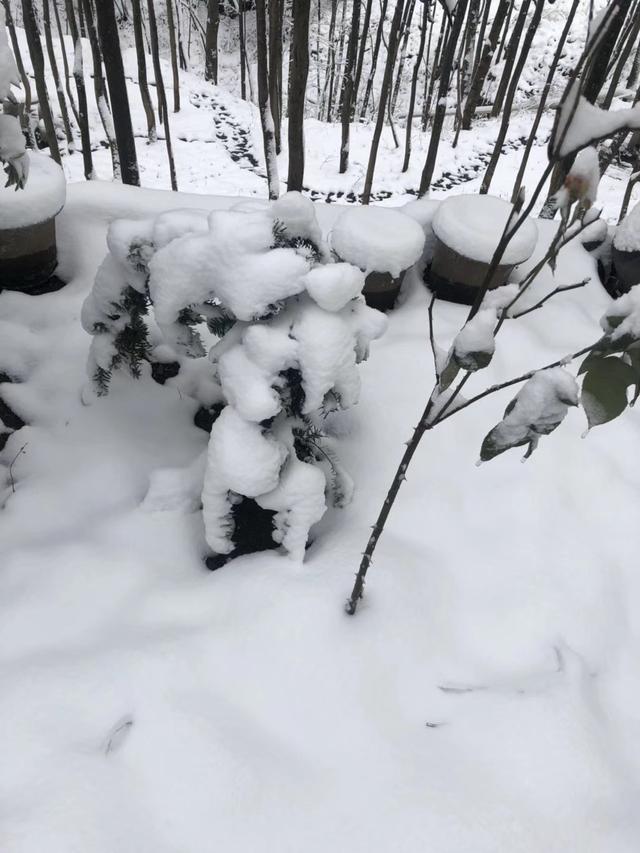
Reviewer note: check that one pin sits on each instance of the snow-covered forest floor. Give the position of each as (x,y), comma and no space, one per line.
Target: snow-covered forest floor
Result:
(485,696)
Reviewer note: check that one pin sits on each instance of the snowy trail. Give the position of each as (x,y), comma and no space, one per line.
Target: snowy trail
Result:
(261,717)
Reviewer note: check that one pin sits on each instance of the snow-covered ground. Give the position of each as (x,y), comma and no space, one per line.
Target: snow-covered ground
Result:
(149,705)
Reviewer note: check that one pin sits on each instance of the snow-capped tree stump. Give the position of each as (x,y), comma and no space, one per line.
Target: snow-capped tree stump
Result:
(467,230)
(626,250)
(28,254)
(384,243)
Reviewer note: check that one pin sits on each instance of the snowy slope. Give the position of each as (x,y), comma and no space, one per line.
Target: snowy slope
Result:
(149,706)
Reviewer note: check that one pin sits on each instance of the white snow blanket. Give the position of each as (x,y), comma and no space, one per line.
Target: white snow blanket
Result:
(149,706)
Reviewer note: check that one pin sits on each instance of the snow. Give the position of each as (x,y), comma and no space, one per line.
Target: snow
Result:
(12,144)
(627,235)
(537,409)
(580,125)
(41,198)
(332,286)
(476,338)
(581,184)
(472,225)
(377,239)
(262,717)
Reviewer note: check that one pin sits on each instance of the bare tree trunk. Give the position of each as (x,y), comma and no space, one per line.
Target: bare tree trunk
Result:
(99,87)
(30,24)
(173,50)
(445,26)
(374,59)
(363,47)
(405,31)
(266,119)
(162,94)
(110,43)
(78,76)
(25,116)
(330,69)
(414,86)
(543,100)
(298,73)
(505,31)
(635,70)
(513,86)
(53,64)
(428,77)
(443,89)
(482,69)
(348,94)
(211,42)
(65,63)
(470,42)
(142,71)
(385,92)
(510,58)
(336,65)
(243,54)
(625,53)
(486,8)
(276,14)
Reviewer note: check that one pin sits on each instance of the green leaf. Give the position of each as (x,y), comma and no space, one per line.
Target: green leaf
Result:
(604,390)
(494,443)
(449,373)
(472,361)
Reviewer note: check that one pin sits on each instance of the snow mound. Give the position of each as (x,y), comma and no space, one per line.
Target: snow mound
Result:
(472,226)
(627,236)
(42,197)
(377,239)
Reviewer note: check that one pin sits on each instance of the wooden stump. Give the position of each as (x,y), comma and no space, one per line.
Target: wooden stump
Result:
(455,278)
(28,258)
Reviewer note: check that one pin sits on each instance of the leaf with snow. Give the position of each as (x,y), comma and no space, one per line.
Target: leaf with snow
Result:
(538,409)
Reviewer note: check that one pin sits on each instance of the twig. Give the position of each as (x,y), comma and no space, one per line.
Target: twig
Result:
(548,296)
(12,463)
(561,362)
(432,339)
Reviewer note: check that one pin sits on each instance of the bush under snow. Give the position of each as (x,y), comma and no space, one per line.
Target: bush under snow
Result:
(288,327)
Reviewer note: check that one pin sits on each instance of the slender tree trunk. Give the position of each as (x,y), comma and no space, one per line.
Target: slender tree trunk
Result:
(142,71)
(414,86)
(543,100)
(100,88)
(173,50)
(78,76)
(30,23)
(362,47)
(403,36)
(266,119)
(211,42)
(470,41)
(513,86)
(486,8)
(625,53)
(25,116)
(298,73)
(374,58)
(635,70)
(505,31)
(443,89)
(162,94)
(427,80)
(348,93)
(482,69)
(337,78)
(243,54)
(65,63)
(443,35)
(110,43)
(330,69)
(53,64)
(510,58)
(276,14)
(385,93)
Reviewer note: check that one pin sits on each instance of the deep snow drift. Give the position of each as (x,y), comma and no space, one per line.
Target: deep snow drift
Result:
(151,706)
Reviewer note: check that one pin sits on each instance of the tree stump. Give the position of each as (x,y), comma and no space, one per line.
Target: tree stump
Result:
(28,254)
(384,243)
(467,230)
(625,254)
